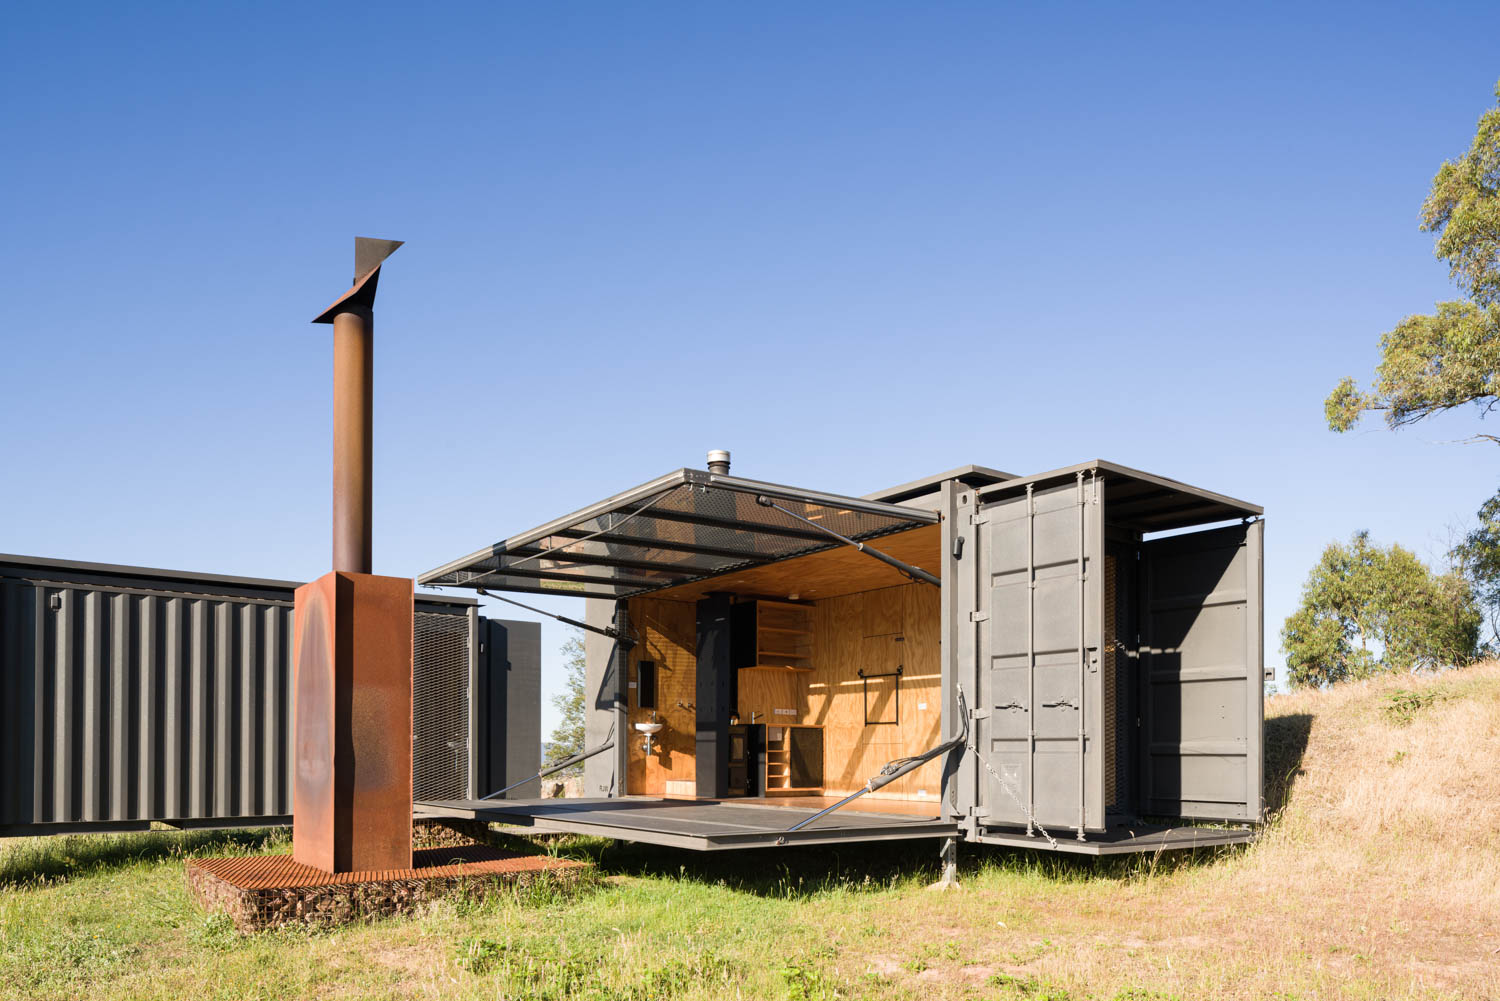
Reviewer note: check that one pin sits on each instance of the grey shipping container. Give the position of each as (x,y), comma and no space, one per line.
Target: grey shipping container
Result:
(131,695)
(1069,661)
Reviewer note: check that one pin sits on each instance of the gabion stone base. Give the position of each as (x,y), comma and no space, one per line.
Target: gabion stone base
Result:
(263,891)
(448,832)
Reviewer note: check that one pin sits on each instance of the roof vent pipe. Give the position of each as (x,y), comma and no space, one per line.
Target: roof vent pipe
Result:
(718,462)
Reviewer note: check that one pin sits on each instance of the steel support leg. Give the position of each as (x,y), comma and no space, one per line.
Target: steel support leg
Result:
(949,855)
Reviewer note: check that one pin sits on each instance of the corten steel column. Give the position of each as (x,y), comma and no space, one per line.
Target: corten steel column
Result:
(351,795)
(353,428)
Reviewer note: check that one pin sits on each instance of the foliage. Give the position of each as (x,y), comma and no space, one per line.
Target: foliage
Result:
(567,739)
(1464,210)
(1477,558)
(1429,364)
(1403,704)
(1366,609)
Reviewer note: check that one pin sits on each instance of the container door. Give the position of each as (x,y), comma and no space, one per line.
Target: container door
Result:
(1201,657)
(1040,634)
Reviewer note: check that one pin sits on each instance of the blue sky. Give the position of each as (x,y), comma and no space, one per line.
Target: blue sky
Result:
(854,243)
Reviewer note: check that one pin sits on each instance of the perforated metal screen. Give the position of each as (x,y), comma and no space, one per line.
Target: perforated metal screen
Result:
(678,528)
(440,706)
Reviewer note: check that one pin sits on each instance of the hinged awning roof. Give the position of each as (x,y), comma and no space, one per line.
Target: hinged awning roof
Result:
(1137,500)
(681,527)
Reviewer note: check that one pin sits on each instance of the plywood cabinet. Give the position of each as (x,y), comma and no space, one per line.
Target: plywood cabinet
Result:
(773,636)
(794,759)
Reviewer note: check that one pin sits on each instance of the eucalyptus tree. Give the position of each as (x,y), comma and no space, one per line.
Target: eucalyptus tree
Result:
(1367,609)
(1434,362)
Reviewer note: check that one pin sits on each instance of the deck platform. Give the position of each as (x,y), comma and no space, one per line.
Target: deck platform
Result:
(702,825)
(718,825)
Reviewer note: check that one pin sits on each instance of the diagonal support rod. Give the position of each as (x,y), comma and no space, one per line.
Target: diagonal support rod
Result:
(901,766)
(609,741)
(608,631)
(915,573)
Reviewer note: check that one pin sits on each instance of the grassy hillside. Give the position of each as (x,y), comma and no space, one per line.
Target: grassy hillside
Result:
(1379,879)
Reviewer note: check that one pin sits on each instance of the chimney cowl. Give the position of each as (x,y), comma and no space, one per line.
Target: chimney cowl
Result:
(718,462)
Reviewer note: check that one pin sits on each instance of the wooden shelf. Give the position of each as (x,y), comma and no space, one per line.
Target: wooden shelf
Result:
(772,636)
(781,769)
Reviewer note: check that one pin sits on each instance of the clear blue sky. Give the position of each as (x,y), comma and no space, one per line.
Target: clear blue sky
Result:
(854,243)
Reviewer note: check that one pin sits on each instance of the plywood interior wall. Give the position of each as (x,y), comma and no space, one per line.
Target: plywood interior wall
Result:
(764,692)
(877,630)
(668,632)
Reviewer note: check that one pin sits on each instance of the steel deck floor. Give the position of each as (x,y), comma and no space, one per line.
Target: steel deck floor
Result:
(703,825)
(716,825)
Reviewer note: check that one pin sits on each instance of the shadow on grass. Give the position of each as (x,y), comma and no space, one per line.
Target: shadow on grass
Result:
(56,858)
(802,872)
(1285,744)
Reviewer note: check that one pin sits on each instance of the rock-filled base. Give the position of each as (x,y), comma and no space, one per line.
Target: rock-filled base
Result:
(448,832)
(264,891)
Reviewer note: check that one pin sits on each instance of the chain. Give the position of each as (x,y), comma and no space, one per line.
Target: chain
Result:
(1030,817)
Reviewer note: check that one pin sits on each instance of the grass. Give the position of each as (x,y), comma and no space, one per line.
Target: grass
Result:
(1377,880)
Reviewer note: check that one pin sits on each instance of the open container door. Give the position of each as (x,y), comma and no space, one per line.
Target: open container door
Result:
(1202,709)
(1040,595)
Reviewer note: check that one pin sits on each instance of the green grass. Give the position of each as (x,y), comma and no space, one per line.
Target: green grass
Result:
(109,917)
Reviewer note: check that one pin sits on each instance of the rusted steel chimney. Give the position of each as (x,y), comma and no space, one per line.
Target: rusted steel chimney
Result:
(351,794)
(353,319)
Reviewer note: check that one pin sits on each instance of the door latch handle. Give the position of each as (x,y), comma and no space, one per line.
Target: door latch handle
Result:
(1059,704)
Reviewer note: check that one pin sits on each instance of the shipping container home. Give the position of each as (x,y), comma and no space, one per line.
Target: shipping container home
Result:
(131,695)
(1069,661)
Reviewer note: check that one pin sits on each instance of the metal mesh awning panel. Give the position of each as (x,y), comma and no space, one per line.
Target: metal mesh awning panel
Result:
(678,528)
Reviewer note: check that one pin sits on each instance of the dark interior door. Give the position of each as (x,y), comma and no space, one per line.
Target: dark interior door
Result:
(806,744)
(1202,675)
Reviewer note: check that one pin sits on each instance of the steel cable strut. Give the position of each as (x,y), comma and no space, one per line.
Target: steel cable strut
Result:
(893,770)
(609,631)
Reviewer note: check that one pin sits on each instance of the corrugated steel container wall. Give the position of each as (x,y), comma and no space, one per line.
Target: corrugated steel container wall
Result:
(124,704)
(130,695)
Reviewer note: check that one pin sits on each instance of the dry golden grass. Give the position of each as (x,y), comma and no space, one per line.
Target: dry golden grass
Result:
(1380,878)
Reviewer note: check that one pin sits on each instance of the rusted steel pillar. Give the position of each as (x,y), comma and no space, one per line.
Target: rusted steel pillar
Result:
(353,428)
(352,638)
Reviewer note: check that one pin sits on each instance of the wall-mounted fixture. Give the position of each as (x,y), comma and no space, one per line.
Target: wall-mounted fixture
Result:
(650,729)
(883,715)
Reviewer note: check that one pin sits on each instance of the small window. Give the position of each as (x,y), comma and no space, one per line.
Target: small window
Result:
(645,688)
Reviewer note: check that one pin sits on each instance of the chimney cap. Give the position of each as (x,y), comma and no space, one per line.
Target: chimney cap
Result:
(718,461)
